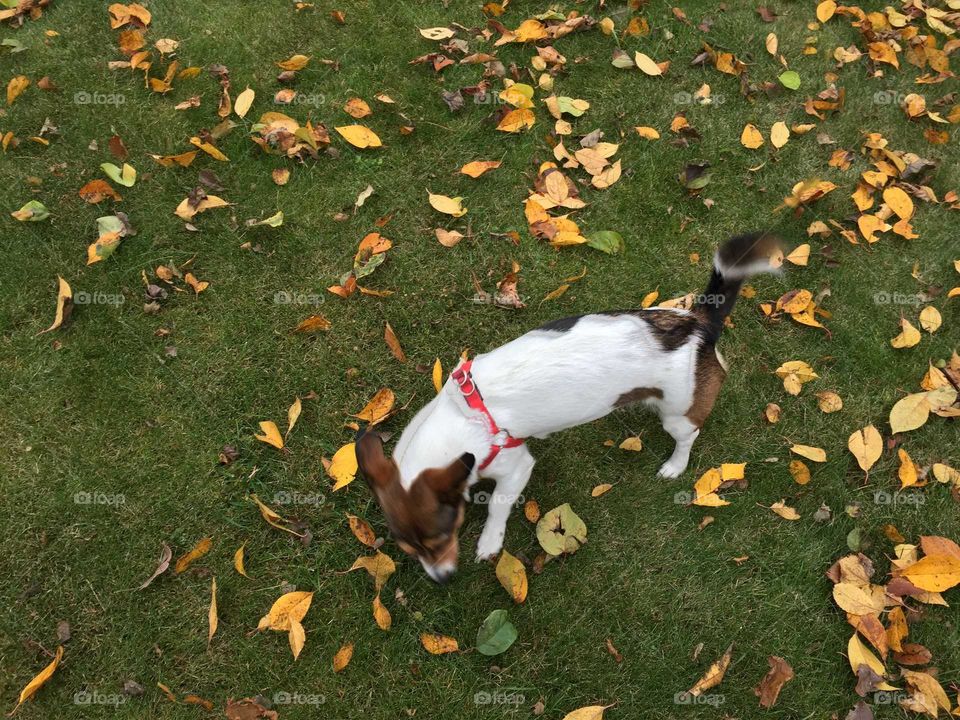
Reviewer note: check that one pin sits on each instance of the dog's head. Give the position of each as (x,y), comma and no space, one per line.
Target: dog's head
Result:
(425,518)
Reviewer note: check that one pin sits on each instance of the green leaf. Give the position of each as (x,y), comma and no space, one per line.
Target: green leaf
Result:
(33,211)
(696,175)
(361,270)
(607,241)
(496,634)
(790,79)
(572,106)
(125,176)
(275,220)
(853,540)
(11,45)
(109,224)
(561,531)
(622,60)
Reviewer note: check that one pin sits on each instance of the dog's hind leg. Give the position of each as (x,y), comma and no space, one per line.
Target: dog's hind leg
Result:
(684,433)
(510,484)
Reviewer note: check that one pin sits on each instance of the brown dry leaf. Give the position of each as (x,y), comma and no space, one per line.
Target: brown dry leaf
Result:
(512,576)
(379,407)
(390,337)
(271,517)
(342,658)
(314,323)
(714,674)
(362,531)
(198,551)
(780,674)
(357,108)
(162,564)
(96,191)
(478,167)
(438,644)
(198,285)
(787,513)
(448,238)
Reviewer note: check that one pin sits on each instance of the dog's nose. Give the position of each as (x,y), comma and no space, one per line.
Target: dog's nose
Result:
(439,574)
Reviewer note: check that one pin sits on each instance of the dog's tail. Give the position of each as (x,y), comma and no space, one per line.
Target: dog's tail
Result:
(736,260)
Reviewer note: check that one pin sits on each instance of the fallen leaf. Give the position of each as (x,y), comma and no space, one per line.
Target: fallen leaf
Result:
(343,466)
(438,644)
(390,337)
(38,681)
(787,513)
(770,685)
(447,205)
(238,563)
(165,556)
(866,446)
(212,620)
(714,674)
(478,167)
(342,658)
(197,552)
(289,608)
(909,336)
(362,531)
(64,305)
(512,576)
(270,434)
(751,137)
(359,136)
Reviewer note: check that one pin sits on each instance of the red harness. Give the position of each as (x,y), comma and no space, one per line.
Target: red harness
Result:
(471,394)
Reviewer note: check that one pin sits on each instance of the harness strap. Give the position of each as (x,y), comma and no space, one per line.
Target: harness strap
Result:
(471,394)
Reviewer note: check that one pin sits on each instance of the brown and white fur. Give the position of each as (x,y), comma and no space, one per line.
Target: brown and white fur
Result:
(563,374)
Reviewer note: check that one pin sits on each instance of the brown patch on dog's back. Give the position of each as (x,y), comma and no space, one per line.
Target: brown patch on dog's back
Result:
(708,380)
(671,329)
(638,395)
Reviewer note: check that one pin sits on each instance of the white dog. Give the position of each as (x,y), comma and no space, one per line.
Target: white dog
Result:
(563,374)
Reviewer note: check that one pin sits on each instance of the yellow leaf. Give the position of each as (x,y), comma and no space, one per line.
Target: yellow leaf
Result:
(357,108)
(437,375)
(288,608)
(512,576)
(601,489)
(343,466)
(381,614)
(866,446)
(379,406)
(271,517)
(708,482)
(907,473)
(393,343)
(825,11)
(359,136)
(779,135)
(787,513)
(208,149)
(478,167)
(800,472)
(15,87)
(271,434)
(935,573)
(710,500)
(591,712)
(238,561)
(930,693)
(714,674)
(647,133)
(809,452)
(858,600)
(198,551)
(438,644)
(772,44)
(829,402)
(362,531)
(800,255)
(930,319)
(751,137)
(870,225)
(898,201)
(945,474)
(244,100)
(380,567)
(909,412)
(517,120)
(295,62)
(632,443)
(212,619)
(447,205)
(647,65)
(859,654)
(909,336)
(31,688)
(293,414)
(343,657)
(298,638)
(64,305)
(650,298)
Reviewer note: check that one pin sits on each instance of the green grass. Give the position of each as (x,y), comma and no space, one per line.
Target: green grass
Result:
(107,411)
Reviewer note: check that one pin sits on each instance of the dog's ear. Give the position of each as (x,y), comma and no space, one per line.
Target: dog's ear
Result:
(377,468)
(449,483)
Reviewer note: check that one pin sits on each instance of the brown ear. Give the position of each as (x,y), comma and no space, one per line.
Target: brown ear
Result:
(377,468)
(448,483)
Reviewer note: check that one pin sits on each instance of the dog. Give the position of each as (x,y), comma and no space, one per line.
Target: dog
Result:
(566,373)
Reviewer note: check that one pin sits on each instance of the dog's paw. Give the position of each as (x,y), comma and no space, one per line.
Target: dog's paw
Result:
(489,546)
(670,470)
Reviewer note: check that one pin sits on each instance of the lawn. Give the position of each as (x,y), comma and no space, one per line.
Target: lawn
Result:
(134,407)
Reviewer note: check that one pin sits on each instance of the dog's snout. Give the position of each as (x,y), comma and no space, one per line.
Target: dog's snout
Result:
(440,573)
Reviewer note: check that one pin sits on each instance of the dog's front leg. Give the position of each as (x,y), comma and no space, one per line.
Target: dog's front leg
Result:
(510,485)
